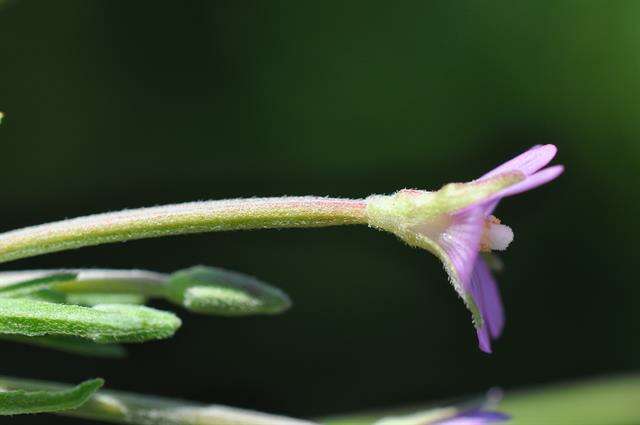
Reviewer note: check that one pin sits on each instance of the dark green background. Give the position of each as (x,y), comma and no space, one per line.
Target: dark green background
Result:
(124,104)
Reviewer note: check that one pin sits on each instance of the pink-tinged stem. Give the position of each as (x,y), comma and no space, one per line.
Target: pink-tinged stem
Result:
(192,217)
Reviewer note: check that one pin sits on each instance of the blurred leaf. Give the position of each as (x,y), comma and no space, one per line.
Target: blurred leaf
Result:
(21,402)
(211,290)
(420,418)
(611,401)
(70,345)
(103,323)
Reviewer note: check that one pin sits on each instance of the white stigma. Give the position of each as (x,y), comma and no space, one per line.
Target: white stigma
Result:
(499,236)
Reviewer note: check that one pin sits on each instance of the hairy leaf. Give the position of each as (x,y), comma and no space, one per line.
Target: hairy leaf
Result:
(216,291)
(20,401)
(127,408)
(103,323)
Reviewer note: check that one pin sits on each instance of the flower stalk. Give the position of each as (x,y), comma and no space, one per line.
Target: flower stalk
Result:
(191,217)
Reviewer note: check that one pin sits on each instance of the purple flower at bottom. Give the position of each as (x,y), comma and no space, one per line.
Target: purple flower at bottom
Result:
(456,224)
(478,412)
(474,417)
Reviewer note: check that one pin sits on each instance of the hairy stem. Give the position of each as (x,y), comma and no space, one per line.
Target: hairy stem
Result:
(125,408)
(192,217)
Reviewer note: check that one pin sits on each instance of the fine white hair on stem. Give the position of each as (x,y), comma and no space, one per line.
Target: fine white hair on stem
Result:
(190,217)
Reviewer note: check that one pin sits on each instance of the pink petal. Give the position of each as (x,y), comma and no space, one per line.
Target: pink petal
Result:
(528,162)
(531,182)
(484,340)
(461,243)
(486,295)
(458,237)
(490,206)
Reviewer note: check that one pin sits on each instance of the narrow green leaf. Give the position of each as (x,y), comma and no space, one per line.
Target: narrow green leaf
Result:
(200,289)
(92,299)
(48,295)
(111,281)
(71,345)
(20,401)
(28,287)
(127,408)
(216,291)
(103,323)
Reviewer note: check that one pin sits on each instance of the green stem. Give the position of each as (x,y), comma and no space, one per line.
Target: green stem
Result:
(125,408)
(192,217)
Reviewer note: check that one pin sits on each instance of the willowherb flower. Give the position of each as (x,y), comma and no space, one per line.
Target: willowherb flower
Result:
(456,224)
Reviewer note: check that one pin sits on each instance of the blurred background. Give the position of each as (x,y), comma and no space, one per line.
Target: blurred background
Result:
(112,105)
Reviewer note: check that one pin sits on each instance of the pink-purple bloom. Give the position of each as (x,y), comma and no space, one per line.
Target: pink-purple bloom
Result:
(481,283)
(456,224)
